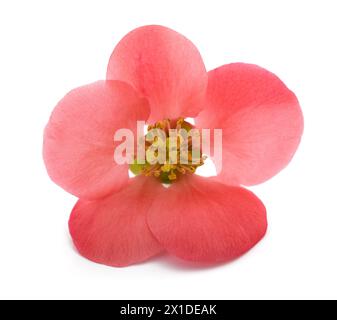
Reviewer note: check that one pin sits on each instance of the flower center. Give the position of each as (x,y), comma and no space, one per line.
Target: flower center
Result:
(172,149)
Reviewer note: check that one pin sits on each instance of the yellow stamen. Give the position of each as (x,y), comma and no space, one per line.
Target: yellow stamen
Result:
(166,168)
(172,176)
(179,153)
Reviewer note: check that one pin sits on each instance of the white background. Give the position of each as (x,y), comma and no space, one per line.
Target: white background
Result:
(50,47)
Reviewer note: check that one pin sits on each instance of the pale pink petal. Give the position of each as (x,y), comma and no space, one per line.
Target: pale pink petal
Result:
(79,138)
(113,231)
(201,220)
(261,120)
(165,67)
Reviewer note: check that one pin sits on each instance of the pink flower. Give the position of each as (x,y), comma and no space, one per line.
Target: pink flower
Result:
(155,74)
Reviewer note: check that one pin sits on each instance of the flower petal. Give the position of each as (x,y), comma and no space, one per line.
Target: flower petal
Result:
(79,138)
(165,67)
(261,120)
(202,220)
(113,231)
